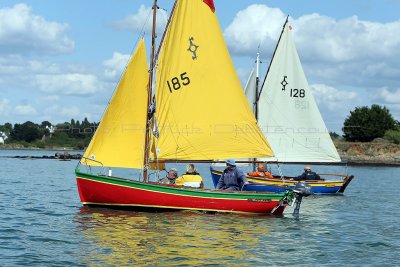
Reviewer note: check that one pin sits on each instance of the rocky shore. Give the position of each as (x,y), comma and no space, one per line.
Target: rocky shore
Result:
(369,154)
(59,156)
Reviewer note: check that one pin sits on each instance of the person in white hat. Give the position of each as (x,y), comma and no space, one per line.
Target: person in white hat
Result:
(232,178)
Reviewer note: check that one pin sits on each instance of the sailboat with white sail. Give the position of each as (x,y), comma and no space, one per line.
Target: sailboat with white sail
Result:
(290,120)
(193,67)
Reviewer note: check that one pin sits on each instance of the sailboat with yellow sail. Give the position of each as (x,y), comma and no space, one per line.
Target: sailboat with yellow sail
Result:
(139,131)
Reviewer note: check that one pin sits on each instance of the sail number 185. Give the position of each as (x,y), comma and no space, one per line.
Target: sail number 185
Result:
(177,82)
(297,93)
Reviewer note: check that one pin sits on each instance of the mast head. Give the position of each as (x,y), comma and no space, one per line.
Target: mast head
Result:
(210,3)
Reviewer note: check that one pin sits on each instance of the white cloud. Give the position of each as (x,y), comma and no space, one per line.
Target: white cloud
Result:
(142,21)
(25,110)
(115,65)
(51,98)
(348,52)
(345,40)
(68,84)
(21,31)
(4,106)
(317,37)
(70,112)
(59,113)
(390,97)
(253,26)
(20,66)
(331,97)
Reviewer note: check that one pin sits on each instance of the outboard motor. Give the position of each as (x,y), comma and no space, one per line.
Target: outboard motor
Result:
(301,189)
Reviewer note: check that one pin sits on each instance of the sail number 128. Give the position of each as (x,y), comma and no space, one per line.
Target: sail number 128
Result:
(297,93)
(177,82)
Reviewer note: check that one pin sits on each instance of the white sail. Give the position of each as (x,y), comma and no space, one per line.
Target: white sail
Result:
(288,114)
(250,90)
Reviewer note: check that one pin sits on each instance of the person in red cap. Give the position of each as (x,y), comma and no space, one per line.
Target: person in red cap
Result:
(308,175)
(260,172)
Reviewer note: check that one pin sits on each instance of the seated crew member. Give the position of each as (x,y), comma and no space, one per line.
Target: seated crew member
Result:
(191,178)
(308,175)
(232,178)
(172,174)
(260,172)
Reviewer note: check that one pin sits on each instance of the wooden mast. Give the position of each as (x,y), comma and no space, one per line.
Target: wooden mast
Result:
(149,94)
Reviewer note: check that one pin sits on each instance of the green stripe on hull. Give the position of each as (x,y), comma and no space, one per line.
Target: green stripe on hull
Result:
(204,193)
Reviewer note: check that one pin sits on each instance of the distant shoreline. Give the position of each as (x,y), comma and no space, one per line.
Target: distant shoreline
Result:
(352,153)
(6,147)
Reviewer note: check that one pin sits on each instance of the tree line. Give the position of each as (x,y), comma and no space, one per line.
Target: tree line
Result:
(364,124)
(73,134)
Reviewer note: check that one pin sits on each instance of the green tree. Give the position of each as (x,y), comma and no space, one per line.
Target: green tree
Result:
(27,132)
(365,124)
(334,135)
(45,123)
(7,128)
(393,136)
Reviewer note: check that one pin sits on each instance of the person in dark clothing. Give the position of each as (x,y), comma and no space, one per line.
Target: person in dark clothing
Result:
(232,178)
(308,175)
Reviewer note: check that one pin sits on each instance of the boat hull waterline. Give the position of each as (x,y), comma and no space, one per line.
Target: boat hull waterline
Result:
(277,185)
(117,192)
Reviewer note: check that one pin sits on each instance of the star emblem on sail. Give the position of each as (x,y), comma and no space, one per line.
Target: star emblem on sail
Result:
(193,48)
(284,83)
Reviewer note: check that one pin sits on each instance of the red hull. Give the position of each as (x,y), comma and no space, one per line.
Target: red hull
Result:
(94,192)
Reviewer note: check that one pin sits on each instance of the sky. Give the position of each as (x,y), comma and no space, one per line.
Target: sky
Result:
(63,59)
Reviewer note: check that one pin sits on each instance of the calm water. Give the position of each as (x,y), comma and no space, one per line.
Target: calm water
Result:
(42,223)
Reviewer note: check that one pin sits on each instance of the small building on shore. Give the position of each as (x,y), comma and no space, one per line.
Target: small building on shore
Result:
(3,137)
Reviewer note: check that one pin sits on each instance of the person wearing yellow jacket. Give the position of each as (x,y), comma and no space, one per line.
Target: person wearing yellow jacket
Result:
(191,178)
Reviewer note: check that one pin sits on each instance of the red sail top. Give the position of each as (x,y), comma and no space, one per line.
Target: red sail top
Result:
(210,3)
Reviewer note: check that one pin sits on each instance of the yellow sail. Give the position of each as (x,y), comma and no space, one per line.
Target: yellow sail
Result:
(119,139)
(202,111)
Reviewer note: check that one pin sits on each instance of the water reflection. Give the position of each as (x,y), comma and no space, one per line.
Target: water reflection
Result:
(120,238)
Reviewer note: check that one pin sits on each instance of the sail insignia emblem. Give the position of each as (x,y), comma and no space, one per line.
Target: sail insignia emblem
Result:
(284,83)
(193,48)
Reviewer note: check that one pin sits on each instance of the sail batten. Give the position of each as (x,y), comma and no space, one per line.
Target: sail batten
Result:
(202,111)
(288,114)
(119,139)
